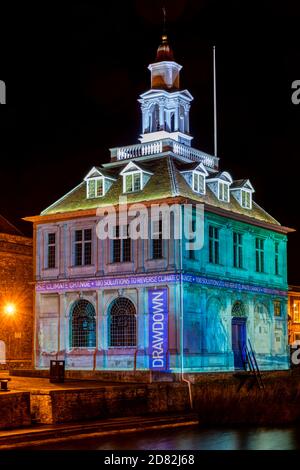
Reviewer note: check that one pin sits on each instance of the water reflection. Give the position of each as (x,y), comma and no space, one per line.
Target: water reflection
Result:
(191,438)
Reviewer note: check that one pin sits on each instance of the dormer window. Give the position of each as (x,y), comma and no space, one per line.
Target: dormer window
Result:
(220,183)
(242,191)
(246,199)
(98,182)
(133,182)
(135,177)
(195,174)
(223,191)
(95,188)
(198,182)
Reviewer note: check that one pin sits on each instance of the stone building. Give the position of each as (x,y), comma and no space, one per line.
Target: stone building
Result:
(294,313)
(16,297)
(120,303)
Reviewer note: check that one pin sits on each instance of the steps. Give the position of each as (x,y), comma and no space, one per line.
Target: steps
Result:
(33,436)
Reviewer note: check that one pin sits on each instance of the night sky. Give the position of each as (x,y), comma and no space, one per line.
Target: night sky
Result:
(74,73)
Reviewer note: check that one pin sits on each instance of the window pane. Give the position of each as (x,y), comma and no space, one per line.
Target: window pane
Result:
(126,249)
(137,182)
(99,188)
(51,251)
(78,235)
(122,323)
(87,234)
(128,183)
(83,325)
(277,308)
(91,188)
(51,238)
(88,253)
(116,251)
(78,254)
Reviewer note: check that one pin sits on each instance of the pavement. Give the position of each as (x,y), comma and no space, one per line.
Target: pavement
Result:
(31,384)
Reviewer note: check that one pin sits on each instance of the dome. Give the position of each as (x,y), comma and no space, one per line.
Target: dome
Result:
(164,51)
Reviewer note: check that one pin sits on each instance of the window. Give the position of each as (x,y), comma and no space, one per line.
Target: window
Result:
(237,250)
(83,325)
(213,244)
(198,182)
(246,199)
(276,258)
(121,249)
(51,255)
(122,316)
(95,188)
(296,311)
(83,247)
(133,182)
(224,192)
(156,239)
(259,255)
(277,308)
(191,253)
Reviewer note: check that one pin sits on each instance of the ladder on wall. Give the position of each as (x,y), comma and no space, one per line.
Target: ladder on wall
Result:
(250,364)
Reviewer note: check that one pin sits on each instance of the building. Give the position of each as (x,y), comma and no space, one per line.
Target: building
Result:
(294,313)
(16,297)
(151,303)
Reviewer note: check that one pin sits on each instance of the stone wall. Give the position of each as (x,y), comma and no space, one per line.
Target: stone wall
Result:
(217,400)
(14,410)
(16,267)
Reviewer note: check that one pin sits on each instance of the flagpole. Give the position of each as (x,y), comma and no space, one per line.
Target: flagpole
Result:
(215,103)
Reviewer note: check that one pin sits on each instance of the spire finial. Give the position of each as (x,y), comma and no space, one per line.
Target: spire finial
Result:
(165,19)
(164,52)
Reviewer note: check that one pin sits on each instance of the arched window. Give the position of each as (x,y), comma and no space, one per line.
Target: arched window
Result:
(238,309)
(154,118)
(122,323)
(83,325)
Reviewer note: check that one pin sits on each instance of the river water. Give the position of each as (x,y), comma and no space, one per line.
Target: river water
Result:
(191,438)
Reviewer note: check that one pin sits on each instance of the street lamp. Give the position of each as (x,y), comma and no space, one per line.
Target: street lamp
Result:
(10,309)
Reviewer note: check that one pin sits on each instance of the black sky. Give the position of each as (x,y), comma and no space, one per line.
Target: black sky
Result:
(74,73)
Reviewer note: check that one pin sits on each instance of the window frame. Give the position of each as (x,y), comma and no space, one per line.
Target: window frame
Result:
(51,245)
(276,258)
(132,174)
(121,241)
(214,244)
(76,336)
(244,193)
(95,181)
(84,243)
(196,175)
(296,301)
(259,255)
(237,239)
(157,247)
(277,303)
(223,184)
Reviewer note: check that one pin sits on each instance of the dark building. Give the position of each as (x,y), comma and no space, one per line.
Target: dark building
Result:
(16,297)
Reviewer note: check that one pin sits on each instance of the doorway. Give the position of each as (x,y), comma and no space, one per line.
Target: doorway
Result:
(239,339)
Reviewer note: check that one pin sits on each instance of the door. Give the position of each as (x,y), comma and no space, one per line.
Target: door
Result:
(239,341)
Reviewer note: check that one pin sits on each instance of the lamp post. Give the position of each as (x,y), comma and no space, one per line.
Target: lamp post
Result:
(9,310)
